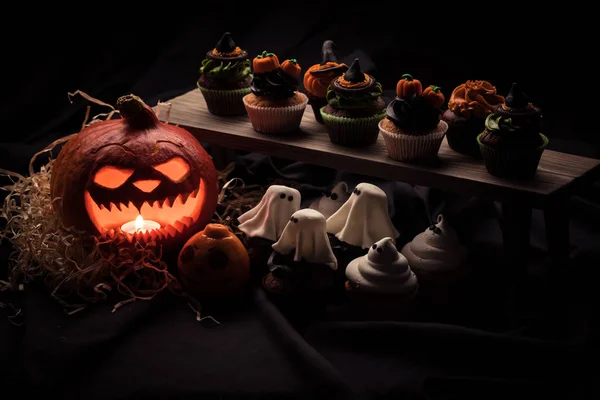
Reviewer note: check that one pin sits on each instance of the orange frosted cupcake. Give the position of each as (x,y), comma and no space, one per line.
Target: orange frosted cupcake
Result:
(319,76)
(468,107)
(275,105)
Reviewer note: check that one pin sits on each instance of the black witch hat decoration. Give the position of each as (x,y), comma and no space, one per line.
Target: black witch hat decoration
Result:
(225,44)
(354,73)
(516,98)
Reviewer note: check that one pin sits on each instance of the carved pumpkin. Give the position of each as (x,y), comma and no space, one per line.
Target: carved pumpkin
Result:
(265,62)
(407,86)
(116,170)
(214,262)
(291,67)
(434,96)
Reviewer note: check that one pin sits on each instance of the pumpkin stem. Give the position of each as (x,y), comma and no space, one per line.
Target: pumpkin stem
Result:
(435,88)
(136,113)
(328,53)
(408,77)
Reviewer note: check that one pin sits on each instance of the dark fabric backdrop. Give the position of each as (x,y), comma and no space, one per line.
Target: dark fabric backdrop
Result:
(538,344)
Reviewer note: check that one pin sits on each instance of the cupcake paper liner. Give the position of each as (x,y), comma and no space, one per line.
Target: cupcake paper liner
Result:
(316,104)
(225,102)
(404,147)
(464,141)
(276,119)
(352,131)
(512,163)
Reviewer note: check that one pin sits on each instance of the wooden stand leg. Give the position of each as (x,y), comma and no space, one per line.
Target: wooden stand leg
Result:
(556,217)
(516,225)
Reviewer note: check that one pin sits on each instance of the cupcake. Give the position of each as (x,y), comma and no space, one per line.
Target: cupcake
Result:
(382,277)
(263,225)
(468,107)
(511,144)
(302,260)
(275,105)
(412,128)
(225,77)
(354,108)
(319,76)
(437,258)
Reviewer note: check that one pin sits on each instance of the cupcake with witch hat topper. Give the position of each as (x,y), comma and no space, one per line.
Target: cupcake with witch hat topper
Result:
(275,105)
(511,144)
(319,76)
(354,108)
(412,128)
(225,77)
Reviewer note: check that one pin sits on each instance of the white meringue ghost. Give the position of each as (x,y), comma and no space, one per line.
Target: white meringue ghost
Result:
(330,202)
(268,219)
(364,217)
(383,270)
(437,250)
(306,235)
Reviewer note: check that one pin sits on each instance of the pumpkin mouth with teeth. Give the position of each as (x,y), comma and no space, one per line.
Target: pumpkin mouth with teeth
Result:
(175,214)
(115,171)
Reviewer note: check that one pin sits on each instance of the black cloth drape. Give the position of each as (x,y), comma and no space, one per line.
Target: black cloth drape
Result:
(509,335)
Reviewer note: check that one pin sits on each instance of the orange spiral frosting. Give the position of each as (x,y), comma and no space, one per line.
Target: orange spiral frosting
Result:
(235,52)
(317,84)
(476,98)
(355,85)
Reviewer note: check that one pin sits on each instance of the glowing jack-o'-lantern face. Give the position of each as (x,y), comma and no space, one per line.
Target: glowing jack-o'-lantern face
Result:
(114,171)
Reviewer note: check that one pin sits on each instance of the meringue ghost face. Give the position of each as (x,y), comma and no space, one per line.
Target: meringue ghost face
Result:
(330,202)
(306,235)
(268,219)
(364,218)
(384,251)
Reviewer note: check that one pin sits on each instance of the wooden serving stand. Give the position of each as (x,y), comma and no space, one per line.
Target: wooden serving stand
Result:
(558,176)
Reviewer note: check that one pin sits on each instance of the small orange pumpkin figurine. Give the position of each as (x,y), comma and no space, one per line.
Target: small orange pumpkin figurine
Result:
(434,96)
(214,262)
(291,67)
(265,62)
(407,86)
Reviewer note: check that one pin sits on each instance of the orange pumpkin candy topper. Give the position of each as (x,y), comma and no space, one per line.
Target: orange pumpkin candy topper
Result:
(291,67)
(407,86)
(434,96)
(265,62)
(214,262)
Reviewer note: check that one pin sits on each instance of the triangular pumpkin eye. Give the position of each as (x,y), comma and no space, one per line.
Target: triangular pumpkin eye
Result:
(176,169)
(112,177)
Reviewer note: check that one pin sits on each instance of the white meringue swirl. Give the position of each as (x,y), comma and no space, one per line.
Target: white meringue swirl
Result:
(436,250)
(383,270)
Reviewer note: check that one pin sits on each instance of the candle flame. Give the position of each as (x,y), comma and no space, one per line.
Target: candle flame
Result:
(139,222)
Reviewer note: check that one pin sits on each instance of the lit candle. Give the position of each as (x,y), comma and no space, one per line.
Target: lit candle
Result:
(139,225)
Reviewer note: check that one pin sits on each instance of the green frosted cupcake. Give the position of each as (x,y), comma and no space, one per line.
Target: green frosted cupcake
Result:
(511,144)
(225,77)
(354,108)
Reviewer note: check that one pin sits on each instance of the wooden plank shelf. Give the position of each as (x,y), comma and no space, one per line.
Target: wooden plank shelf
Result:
(452,171)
